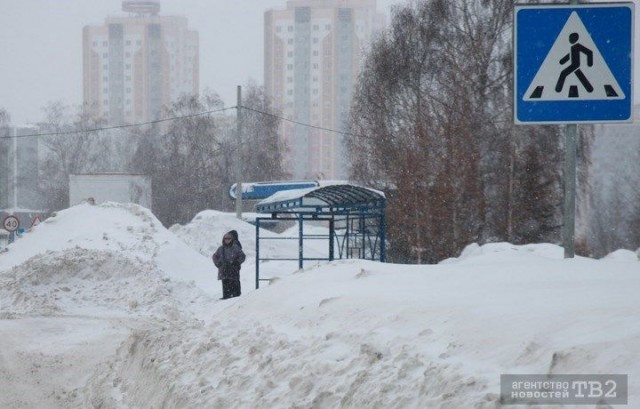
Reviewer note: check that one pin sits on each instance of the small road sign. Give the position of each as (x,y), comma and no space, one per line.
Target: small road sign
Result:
(11,223)
(573,63)
(36,221)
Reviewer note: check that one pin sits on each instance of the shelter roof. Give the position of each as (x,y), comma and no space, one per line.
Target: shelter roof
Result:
(332,199)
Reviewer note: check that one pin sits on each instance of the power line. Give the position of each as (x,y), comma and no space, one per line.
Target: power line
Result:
(300,123)
(121,126)
(177,118)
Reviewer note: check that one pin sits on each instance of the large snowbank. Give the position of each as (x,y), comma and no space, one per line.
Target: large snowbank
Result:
(101,306)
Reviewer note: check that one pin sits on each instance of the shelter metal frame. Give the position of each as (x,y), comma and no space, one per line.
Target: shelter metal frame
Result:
(355,218)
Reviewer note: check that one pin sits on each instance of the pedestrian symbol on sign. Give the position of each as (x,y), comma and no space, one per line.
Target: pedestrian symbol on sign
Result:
(587,75)
(574,66)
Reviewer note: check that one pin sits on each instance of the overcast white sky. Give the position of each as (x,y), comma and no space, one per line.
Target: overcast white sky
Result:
(41,47)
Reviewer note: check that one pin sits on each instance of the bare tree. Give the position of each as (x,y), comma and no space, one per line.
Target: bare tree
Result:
(184,159)
(614,221)
(71,152)
(192,159)
(262,150)
(432,126)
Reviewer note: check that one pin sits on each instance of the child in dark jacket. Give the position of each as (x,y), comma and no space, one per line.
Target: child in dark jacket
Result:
(228,259)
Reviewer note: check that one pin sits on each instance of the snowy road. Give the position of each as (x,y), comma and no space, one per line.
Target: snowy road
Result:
(46,362)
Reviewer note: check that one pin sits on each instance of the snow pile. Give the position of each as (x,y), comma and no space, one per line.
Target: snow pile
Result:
(110,258)
(474,253)
(103,307)
(623,255)
(127,229)
(204,233)
(63,282)
(74,289)
(363,334)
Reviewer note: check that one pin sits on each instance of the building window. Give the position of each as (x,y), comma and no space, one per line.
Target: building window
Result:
(289,67)
(290,29)
(104,43)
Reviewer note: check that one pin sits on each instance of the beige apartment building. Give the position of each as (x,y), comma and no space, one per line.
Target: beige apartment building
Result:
(136,64)
(313,52)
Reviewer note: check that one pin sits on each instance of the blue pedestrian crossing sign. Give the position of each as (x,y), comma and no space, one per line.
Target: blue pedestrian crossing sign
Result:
(573,63)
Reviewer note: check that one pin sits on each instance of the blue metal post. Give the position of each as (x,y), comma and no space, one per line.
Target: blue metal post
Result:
(331,234)
(257,253)
(363,233)
(383,242)
(300,242)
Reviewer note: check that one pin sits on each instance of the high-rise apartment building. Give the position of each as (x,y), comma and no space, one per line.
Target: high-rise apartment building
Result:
(134,65)
(313,52)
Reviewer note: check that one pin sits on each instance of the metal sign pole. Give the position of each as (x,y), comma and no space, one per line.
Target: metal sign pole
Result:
(569,218)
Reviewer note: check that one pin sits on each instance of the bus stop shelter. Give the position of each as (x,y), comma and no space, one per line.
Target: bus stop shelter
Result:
(354,217)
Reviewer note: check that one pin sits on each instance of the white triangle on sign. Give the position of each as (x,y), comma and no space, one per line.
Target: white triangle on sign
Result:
(566,75)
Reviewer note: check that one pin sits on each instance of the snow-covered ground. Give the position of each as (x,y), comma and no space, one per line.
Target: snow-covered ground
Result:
(101,306)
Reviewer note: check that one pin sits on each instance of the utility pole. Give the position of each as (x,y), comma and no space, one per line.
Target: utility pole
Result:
(238,162)
(14,155)
(569,218)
